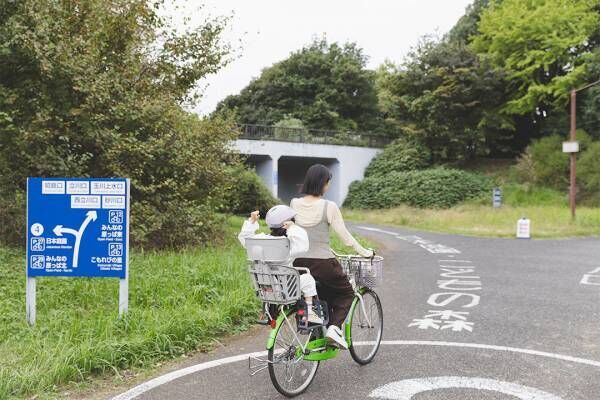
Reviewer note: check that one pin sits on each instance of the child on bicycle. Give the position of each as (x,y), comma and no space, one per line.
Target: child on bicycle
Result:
(280,220)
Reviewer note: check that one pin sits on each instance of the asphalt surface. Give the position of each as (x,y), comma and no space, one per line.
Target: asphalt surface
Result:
(519,314)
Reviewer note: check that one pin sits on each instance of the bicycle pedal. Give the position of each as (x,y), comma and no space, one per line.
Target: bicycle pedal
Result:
(264,322)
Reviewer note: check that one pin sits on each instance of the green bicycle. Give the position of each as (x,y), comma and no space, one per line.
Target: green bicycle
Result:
(295,349)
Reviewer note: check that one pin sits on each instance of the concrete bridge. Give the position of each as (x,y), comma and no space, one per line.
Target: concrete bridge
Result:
(282,156)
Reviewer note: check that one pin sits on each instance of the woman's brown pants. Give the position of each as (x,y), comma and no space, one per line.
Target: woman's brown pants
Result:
(334,288)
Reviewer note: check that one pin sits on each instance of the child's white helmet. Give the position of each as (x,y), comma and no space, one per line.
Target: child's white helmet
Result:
(277,215)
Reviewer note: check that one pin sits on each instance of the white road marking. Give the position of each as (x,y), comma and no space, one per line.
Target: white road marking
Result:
(413,239)
(406,389)
(161,380)
(493,347)
(366,228)
(588,279)
(591,278)
(458,261)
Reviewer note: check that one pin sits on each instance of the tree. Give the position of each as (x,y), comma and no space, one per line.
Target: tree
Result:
(444,97)
(96,89)
(588,101)
(541,45)
(326,86)
(467,27)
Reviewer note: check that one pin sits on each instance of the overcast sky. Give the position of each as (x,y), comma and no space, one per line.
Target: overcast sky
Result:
(270,29)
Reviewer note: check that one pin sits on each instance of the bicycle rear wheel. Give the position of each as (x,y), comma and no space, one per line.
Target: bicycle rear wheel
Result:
(366,328)
(290,373)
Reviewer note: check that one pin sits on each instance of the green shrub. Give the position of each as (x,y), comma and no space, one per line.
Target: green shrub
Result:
(247,193)
(432,188)
(544,163)
(290,128)
(588,171)
(372,192)
(519,195)
(12,216)
(401,155)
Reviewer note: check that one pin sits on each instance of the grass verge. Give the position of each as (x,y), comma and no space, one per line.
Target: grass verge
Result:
(179,302)
(479,220)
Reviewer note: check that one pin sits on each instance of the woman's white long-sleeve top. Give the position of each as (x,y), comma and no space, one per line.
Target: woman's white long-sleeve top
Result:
(310,214)
(296,235)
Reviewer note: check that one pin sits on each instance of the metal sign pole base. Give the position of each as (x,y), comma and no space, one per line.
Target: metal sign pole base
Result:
(30,301)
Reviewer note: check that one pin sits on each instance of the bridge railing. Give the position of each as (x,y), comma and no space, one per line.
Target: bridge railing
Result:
(313,136)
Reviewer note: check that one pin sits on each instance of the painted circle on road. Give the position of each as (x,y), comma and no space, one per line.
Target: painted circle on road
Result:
(406,389)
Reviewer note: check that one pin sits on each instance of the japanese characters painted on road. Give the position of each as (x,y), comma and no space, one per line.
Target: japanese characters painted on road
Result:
(77,227)
(457,289)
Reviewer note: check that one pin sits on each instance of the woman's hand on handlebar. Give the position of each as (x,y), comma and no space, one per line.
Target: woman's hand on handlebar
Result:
(372,253)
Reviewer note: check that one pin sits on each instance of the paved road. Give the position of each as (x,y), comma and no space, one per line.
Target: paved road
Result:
(465,318)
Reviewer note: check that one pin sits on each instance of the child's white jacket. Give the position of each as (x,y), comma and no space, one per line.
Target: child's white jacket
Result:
(296,235)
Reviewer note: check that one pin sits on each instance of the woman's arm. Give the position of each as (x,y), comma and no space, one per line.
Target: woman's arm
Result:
(334,216)
(298,240)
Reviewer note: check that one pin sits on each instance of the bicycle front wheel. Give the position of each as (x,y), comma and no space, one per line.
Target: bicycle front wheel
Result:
(290,373)
(366,328)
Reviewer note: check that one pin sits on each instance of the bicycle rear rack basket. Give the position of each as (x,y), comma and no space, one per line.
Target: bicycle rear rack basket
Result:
(275,283)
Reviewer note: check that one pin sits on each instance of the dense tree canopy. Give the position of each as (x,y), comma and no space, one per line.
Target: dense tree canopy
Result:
(326,86)
(444,97)
(541,45)
(92,90)
(498,79)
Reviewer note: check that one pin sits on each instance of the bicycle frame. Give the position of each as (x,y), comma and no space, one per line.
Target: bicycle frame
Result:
(318,349)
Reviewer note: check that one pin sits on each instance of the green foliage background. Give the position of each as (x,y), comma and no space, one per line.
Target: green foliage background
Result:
(326,86)
(431,188)
(498,80)
(92,90)
(248,193)
(400,155)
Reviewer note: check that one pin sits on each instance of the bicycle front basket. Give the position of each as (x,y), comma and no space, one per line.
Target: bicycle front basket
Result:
(366,272)
(275,284)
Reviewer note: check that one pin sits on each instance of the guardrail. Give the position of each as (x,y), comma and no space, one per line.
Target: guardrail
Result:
(313,136)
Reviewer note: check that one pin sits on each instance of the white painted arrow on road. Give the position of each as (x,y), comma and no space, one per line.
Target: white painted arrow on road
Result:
(59,230)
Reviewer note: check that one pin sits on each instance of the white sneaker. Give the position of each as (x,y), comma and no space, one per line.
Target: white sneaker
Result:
(335,335)
(313,318)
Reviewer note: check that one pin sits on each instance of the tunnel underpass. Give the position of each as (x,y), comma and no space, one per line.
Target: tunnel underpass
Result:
(291,171)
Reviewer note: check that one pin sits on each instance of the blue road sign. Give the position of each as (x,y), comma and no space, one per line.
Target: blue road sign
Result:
(497,198)
(77,227)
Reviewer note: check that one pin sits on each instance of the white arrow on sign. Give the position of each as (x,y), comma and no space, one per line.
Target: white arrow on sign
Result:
(406,389)
(59,230)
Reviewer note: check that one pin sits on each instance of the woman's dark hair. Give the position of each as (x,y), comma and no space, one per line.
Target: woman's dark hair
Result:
(315,180)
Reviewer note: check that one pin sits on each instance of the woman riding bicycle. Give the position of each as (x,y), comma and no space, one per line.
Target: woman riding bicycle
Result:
(316,215)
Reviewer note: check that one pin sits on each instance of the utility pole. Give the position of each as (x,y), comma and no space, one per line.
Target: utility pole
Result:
(573,138)
(573,147)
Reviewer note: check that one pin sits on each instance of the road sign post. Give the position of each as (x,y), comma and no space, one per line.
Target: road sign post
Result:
(497,198)
(77,227)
